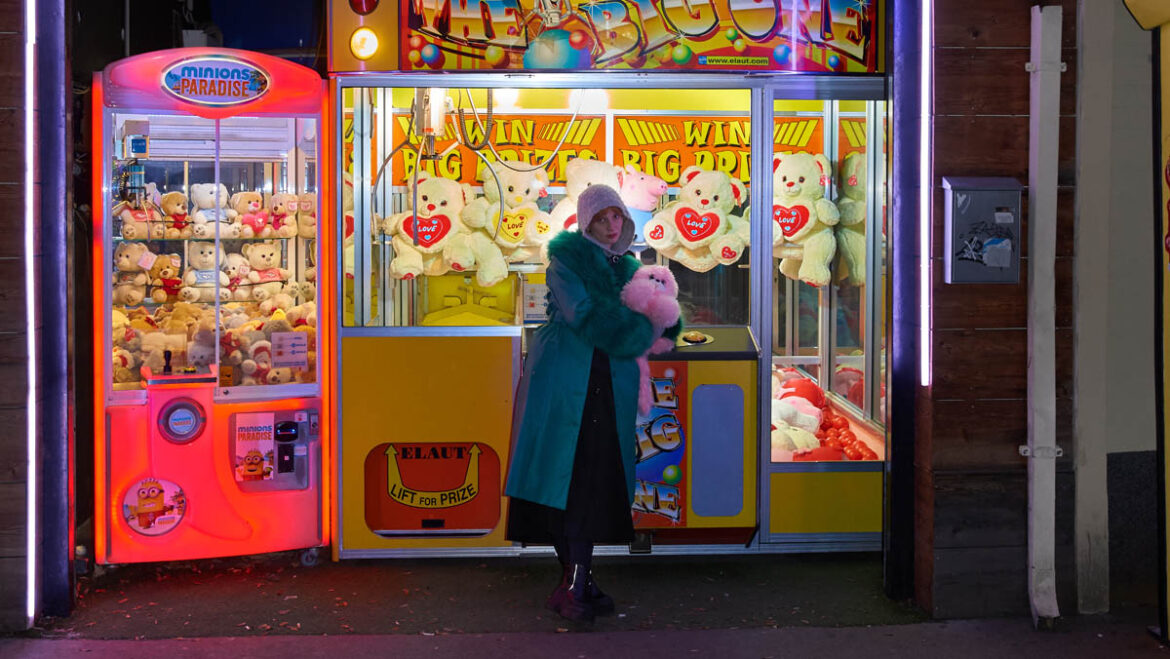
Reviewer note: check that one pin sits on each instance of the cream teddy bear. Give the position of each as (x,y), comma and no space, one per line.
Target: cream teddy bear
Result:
(525,228)
(270,282)
(130,279)
(697,229)
(236,267)
(282,215)
(580,173)
(307,215)
(803,234)
(210,205)
(434,240)
(203,276)
(850,231)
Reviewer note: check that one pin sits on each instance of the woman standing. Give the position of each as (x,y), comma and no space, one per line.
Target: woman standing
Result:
(571,479)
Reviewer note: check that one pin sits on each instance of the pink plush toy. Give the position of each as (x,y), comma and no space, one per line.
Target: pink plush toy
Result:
(640,191)
(652,292)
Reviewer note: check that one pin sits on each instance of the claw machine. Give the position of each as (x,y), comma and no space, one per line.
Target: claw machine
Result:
(464,140)
(211,421)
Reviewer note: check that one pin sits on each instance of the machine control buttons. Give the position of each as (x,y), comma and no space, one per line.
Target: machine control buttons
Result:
(181,420)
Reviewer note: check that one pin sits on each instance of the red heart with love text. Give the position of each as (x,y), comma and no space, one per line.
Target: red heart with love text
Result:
(430,230)
(729,253)
(791,220)
(693,226)
(656,233)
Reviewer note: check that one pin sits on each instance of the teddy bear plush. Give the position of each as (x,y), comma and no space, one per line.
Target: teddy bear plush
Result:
(270,282)
(803,235)
(307,215)
(698,229)
(212,206)
(175,219)
(280,375)
(166,278)
(257,363)
(125,366)
(131,260)
(201,348)
(580,173)
(850,230)
(652,292)
(524,227)
(282,215)
(251,214)
(434,240)
(140,221)
(236,267)
(203,276)
(640,193)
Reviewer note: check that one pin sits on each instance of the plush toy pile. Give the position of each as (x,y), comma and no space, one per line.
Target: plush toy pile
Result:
(804,425)
(698,229)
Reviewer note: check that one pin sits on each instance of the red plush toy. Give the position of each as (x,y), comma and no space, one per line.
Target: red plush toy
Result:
(806,389)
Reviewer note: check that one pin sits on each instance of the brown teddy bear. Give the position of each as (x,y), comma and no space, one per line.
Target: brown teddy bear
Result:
(166,278)
(252,217)
(282,215)
(174,209)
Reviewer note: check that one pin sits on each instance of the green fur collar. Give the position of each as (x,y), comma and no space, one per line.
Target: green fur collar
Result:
(591,264)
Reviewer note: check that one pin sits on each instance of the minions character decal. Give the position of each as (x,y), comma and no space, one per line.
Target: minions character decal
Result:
(154,506)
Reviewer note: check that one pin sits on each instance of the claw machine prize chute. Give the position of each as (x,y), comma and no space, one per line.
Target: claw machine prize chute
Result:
(209,357)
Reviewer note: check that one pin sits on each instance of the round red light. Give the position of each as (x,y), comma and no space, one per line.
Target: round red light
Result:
(363,7)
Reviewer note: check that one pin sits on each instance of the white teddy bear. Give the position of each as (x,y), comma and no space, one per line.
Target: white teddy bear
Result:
(850,231)
(434,240)
(803,234)
(203,274)
(208,206)
(270,282)
(697,229)
(525,228)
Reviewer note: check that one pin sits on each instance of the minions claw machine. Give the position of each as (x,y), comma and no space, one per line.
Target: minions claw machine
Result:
(211,433)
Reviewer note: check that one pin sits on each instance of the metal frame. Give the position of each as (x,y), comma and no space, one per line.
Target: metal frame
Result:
(764,90)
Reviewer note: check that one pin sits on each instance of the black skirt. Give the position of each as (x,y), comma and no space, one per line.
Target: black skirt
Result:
(598,506)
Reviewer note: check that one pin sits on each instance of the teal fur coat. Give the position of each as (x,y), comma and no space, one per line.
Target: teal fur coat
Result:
(584,311)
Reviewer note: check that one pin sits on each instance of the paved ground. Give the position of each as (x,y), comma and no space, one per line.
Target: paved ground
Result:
(739,606)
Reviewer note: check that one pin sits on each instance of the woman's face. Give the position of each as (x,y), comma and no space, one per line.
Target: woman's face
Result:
(606,226)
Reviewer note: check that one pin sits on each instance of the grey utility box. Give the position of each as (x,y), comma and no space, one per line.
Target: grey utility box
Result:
(983,230)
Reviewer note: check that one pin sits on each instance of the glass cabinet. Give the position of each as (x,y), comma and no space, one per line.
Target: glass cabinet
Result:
(212,251)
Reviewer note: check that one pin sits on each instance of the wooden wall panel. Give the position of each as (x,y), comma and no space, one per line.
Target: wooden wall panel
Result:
(994,23)
(971,83)
(13,359)
(988,145)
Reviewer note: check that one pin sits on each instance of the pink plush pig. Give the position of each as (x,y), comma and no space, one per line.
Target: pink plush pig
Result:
(640,191)
(653,292)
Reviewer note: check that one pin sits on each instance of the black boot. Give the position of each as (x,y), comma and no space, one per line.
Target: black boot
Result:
(575,605)
(602,603)
(554,600)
